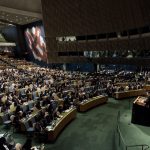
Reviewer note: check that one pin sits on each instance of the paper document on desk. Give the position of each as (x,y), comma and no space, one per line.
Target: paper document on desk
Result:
(67,110)
(49,128)
(84,101)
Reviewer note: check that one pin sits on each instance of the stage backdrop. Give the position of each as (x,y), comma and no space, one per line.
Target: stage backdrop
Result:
(35,41)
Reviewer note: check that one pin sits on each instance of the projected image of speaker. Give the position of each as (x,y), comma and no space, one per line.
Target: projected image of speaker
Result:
(36,42)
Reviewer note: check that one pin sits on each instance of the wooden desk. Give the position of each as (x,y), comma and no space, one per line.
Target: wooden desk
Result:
(147,87)
(130,93)
(92,102)
(60,124)
(25,120)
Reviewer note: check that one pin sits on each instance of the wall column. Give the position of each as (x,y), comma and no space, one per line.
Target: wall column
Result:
(64,67)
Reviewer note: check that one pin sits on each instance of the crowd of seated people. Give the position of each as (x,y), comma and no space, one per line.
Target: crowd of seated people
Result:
(52,91)
(119,88)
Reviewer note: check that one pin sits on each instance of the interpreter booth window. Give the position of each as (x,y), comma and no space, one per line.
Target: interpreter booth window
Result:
(91,54)
(66,39)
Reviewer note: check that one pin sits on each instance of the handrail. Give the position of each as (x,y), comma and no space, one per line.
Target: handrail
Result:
(120,134)
(143,146)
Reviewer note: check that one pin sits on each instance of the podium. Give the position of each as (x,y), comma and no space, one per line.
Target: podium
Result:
(141,111)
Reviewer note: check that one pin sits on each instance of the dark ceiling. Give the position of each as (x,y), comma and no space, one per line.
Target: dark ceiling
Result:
(19,12)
